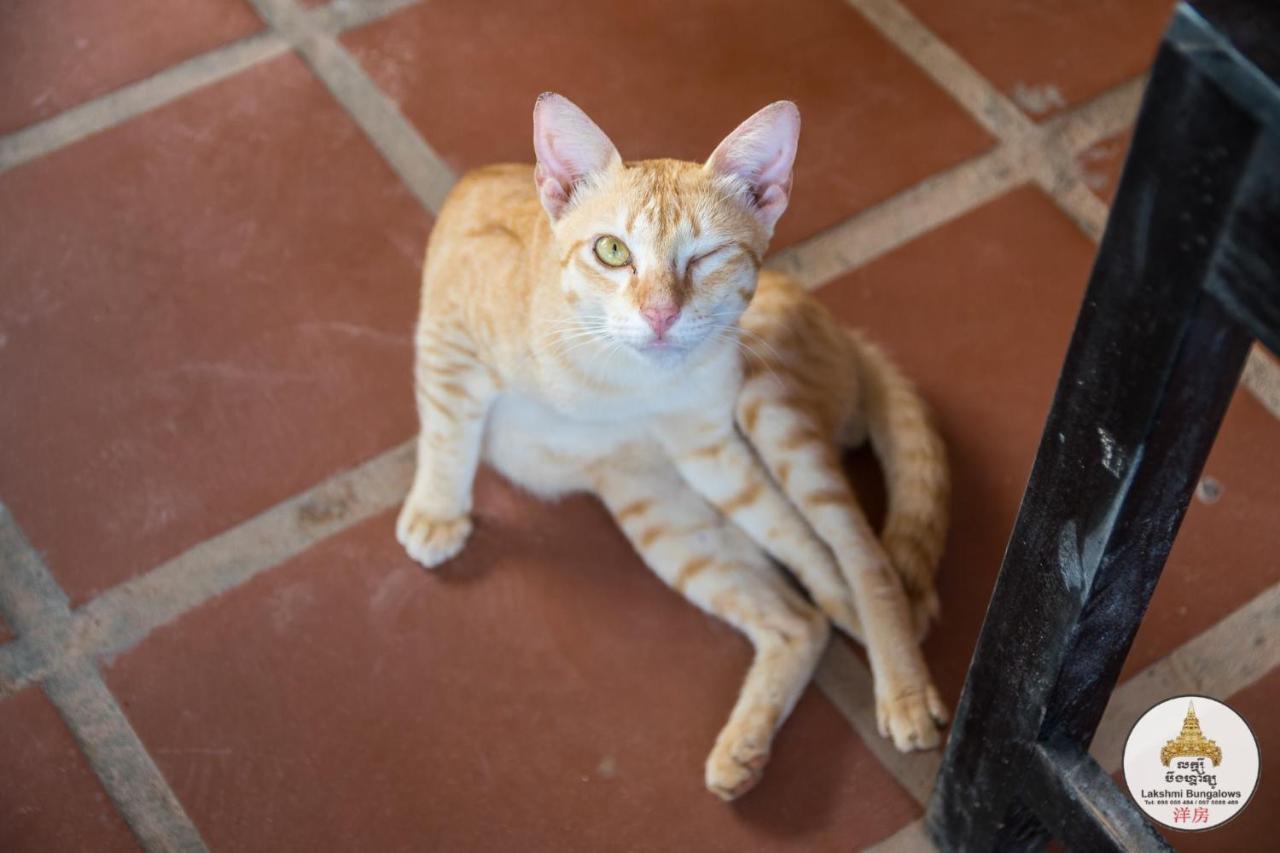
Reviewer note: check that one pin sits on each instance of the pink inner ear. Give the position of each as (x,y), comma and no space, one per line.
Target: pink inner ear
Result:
(569,147)
(762,152)
(550,188)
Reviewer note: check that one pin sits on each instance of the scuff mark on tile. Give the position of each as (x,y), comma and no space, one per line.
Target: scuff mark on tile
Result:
(327,506)
(1208,490)
(1038,99)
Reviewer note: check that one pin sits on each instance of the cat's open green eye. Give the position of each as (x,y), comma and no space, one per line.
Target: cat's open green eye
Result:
(612,252)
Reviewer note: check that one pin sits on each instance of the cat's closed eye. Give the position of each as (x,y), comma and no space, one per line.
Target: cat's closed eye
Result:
(709,253)
(612,252)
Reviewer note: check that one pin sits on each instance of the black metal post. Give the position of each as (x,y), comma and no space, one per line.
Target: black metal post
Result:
(1184,279)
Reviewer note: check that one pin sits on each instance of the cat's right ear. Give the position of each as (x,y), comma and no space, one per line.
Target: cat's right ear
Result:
(569,147)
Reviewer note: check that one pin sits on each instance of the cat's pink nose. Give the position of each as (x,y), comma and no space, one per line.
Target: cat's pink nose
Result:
(661,317)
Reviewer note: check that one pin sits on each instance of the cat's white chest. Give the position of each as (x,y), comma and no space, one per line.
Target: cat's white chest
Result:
(546,437)
(548,451)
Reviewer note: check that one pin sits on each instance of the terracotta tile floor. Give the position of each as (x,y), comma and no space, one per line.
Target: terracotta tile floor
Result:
(230,290)
(1050,54)
(207,309)
(49,797)
(1100,165)
(872,121)
(475,694)
(57,54)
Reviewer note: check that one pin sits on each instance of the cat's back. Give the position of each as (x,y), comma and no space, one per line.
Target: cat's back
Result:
(792,336)
(787,316)
(491,220)
(495,197)
(781,303)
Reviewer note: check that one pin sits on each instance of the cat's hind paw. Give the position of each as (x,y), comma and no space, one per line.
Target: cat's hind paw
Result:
(737,762)
(431,541)
(911,718)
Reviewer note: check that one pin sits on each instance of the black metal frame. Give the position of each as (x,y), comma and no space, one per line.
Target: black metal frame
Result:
(1188,274)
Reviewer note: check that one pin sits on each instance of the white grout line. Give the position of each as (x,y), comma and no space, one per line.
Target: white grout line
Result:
(907,215)
(986,104)
(1220,661)
(1262,377)
(1077,201)
(1062,140)
(911,838)
(341,15)
(114,751)
(1223,660)
(420,168)
(31,601)
(134,99)
(61,648)
(125,614)
(1046,154)
(1232,655)
(1049,150)
(1236,652)
(846,682)
(35,606)
(948,195)
(18,659)
(1102,117)
(137,98)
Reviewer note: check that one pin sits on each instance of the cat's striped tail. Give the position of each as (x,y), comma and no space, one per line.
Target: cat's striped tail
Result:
(914,461)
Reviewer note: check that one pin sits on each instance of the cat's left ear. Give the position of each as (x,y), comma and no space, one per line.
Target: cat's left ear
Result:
(570,147)
(761,152)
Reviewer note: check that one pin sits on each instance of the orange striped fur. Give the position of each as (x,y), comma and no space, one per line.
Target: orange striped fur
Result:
(593,325)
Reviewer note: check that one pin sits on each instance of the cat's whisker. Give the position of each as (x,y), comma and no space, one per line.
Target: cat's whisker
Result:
(581,344)
(574,333)
(572,325)
(767,345)
(567,337)
(755,355)
(745,331)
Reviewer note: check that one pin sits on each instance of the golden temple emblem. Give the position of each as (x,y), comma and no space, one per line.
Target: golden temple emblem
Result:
(1191,742)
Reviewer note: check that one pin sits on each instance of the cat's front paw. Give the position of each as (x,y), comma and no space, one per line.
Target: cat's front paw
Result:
(431,541)
(911,717)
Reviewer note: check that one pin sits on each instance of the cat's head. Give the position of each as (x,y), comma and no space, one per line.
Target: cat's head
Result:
(660,257)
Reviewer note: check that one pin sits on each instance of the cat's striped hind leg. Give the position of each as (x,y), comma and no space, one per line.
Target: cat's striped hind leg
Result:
(804,462)
(704,557)
(714,458)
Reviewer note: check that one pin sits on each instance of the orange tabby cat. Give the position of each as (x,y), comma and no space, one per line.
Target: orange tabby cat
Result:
(590,324)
